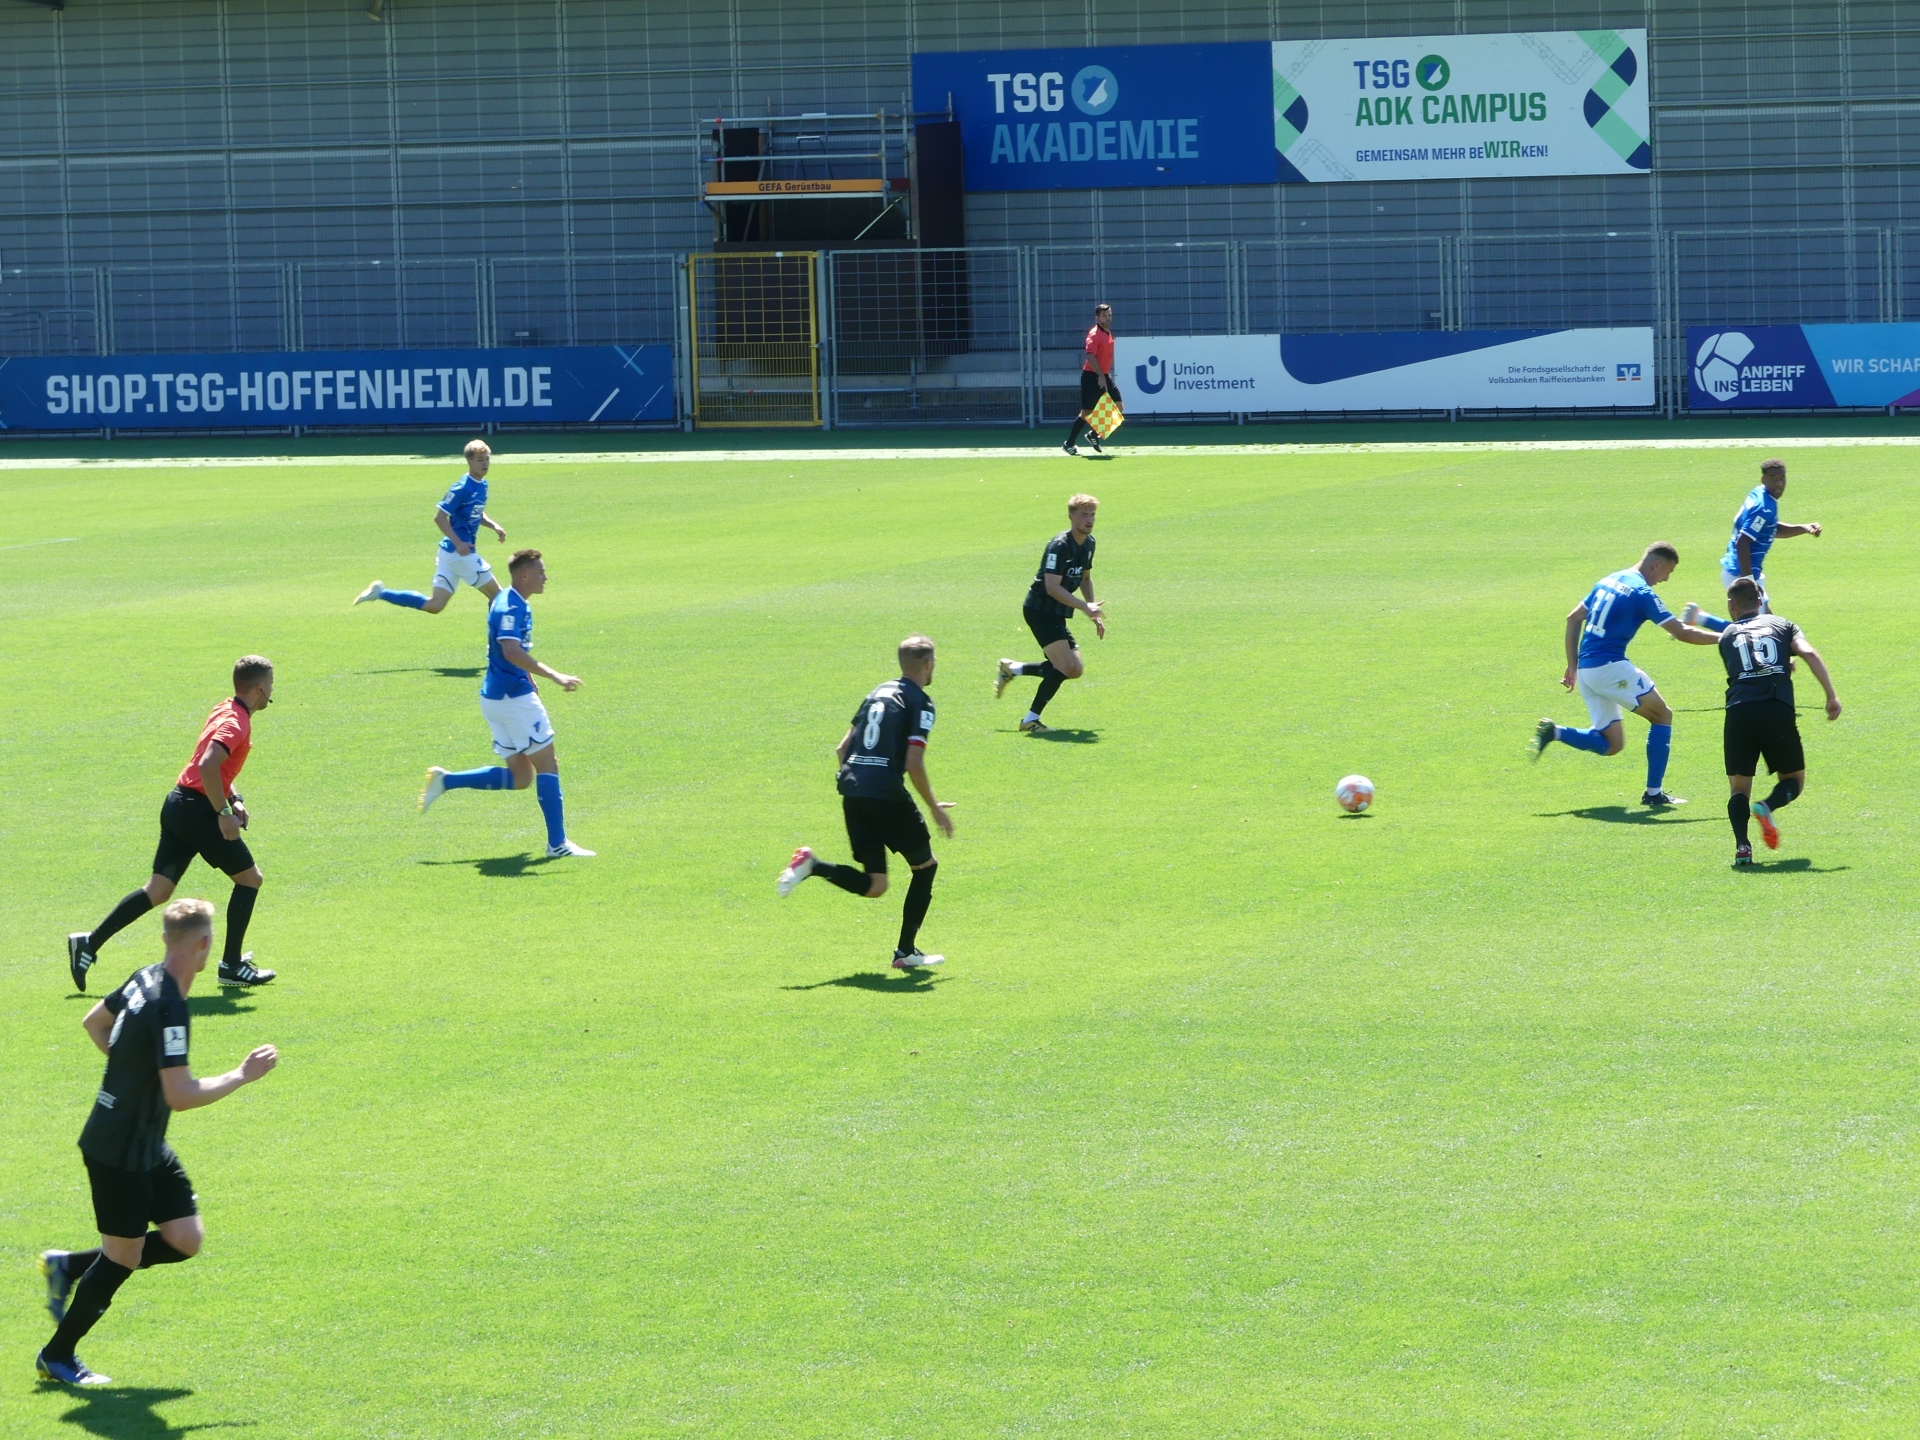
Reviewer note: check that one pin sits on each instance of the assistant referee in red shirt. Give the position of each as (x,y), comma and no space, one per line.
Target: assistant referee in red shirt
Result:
(1096,376)
(203,815)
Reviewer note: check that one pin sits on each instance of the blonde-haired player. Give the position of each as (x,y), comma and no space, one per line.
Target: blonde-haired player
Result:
(458,562)
(1066,567)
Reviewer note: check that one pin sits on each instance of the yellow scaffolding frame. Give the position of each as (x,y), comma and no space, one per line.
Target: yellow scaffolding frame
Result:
(755,327)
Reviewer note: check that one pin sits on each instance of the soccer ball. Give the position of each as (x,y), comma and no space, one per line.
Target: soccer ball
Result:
(1716,368)
(1354,794)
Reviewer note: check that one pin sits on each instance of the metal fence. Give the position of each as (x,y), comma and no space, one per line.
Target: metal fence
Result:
(991,334)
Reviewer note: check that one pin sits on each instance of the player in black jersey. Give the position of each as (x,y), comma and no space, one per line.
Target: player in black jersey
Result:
(142,1028)
(1065,567)
(1757,650)
(885,746)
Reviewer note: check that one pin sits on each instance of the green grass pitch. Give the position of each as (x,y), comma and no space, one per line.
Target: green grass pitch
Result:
(1504,1111)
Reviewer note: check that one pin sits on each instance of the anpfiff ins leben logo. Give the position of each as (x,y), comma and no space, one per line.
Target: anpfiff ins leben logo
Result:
(1721,370)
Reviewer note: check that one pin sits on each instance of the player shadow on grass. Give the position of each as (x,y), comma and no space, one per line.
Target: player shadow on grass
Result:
(907,982)
(126,1413)
(445,672)
(1068,737)
(501,867)
(1629,815)
(1799,865)
(220,1002)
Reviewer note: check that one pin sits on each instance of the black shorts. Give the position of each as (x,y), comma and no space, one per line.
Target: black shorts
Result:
(190,826)
(1048,628)
(124,1201)
(877,826)
(1769,728)
(1091,389)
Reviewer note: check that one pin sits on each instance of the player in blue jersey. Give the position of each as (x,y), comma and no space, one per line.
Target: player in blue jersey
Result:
(1599,629)
(522,734)
(1755,529)
(458,562)
(885,746)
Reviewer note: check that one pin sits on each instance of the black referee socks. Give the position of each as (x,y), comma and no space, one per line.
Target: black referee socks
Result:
(239,912)
(1738,813)
(124,914)
(1784,793)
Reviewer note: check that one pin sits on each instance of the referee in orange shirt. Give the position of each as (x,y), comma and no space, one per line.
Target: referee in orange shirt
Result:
(203,816)
(1096,376)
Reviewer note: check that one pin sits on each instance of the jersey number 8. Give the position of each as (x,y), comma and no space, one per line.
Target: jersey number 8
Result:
(875,713)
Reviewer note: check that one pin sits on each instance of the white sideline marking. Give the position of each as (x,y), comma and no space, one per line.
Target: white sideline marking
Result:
(1042,452)
(34,544)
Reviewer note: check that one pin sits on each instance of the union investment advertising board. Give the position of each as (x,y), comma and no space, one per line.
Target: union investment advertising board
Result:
(1570,102)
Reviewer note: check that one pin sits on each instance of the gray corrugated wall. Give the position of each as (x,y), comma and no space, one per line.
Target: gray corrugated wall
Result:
(239,149)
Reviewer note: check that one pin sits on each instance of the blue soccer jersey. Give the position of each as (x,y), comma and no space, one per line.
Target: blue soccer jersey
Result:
(508,618)
(1616,609)
(466,502)
(1759,517)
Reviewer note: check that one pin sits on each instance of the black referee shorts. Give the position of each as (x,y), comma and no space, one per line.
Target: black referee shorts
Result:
(190,826)
(1091,389)
(877,826)
(125,1200)
(1048,627)
(1769,728)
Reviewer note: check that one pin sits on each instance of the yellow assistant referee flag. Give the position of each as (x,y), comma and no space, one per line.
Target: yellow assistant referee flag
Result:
(1105,417)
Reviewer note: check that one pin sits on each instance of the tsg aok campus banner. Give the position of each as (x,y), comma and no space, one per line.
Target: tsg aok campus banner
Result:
(573,386)
(1799,367)
(1570,102)
(1414,370)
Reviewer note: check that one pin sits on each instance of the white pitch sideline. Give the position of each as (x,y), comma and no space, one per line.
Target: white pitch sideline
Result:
(998,452)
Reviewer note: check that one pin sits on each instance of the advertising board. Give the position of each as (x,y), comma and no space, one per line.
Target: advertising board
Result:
(1099,118)
(573,385)
(1429,107)
(1414,370)
(1796,367)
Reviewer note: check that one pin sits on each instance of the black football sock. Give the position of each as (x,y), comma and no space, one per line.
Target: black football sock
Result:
(92,1297)
(77,1261)
(1784,793)
(919,896)
(1737,815)
(854,882)
(124,914)
(239,912)
(1042,668)
(1073,430)
(1049,687)
(159,1252)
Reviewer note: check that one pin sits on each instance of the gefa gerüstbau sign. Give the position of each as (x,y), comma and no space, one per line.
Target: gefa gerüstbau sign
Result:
(1428,107)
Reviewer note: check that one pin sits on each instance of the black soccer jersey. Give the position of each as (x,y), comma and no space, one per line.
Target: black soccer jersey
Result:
(1755,652)
(1068,558)
(894,716)
(128,1126)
